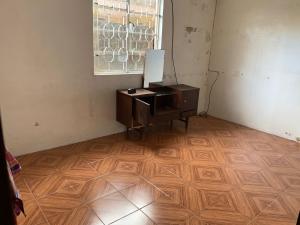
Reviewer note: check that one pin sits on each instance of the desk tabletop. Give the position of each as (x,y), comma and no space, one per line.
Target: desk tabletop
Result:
(183,87)
(139,92)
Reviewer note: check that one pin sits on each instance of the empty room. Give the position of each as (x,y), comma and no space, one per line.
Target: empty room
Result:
(150,112)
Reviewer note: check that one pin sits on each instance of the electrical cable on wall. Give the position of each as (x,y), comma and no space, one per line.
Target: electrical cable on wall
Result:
(211,89)
(172,50)
(205,113)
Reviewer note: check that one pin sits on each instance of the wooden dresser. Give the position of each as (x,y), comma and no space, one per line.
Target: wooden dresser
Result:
(157,104)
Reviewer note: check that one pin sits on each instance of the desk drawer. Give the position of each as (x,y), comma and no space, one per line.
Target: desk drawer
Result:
(142,112)
(188,100)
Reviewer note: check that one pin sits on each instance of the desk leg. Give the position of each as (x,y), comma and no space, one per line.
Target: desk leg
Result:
(187,124)
(144,133)
(171,124)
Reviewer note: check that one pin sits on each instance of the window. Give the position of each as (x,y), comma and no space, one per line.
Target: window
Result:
(123,31)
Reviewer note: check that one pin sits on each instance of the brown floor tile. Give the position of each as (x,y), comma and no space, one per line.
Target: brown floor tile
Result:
(176,153)
(197,221)
(59,186)
(290,181)
(294,159)
(137,218)
(166,214)
(43,163)
(51,203)
(112,207)
(96,188)
(217,203)
(57,215)
(237,159)
(122,181)
(34,215)
(67,216)
(170,139)
(293,200)
(97,149)
(201,174)
(272,206)
(173,195)
(132,167)
(42,185)
(141,194)
(265,221)
(21,184)
(205,155)
(78,166)
(254,179)
(133,150)
(83,216)
(157,171)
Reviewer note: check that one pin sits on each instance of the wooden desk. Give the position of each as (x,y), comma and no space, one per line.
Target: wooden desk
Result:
(157,104)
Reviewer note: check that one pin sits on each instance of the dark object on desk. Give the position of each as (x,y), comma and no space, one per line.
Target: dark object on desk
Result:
(157,104)
(131,91)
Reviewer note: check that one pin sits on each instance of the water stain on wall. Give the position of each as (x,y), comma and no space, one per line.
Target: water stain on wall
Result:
(190,30)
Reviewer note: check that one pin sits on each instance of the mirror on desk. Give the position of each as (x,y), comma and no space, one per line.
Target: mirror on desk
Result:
(154,67)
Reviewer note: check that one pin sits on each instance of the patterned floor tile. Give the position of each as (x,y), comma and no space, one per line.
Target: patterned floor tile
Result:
(267,221)
(136,150)
(209,174)
(42,185)
(34,215)
(170,153)
(161,171)
(141,194)
(165,214)
(271,206)
(137,218)
(112,208)
(83,216)
(96,188)
(197,221)
(97,149)
(122,181)
(83,167)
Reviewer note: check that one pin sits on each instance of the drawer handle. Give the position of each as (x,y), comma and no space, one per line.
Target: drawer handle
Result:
(185,101)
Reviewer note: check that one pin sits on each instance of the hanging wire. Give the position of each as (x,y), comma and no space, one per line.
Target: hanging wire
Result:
(172,50)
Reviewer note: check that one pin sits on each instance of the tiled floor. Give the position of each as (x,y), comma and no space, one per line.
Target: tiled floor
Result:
(217,173)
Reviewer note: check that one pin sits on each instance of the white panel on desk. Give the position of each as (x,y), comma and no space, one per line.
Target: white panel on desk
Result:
(154,66)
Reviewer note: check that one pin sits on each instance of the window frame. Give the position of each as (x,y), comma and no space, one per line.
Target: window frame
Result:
(157,43)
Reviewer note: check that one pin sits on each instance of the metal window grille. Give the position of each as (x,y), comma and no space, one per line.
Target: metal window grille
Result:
(123,31)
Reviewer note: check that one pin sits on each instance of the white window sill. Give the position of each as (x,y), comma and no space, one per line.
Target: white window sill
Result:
(118,74)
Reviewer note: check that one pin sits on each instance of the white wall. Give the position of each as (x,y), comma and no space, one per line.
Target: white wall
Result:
(48,94)
(256,44)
